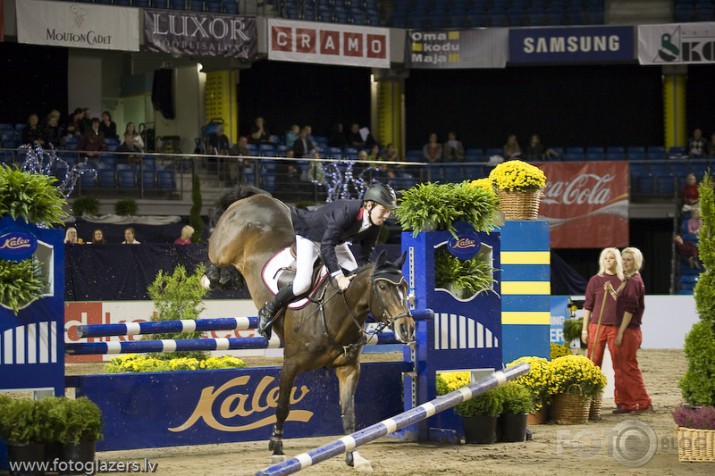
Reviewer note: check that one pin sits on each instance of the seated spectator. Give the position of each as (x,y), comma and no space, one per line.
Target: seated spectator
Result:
(292,135)
(186,233)
(303,145)
(337,136)
(93,141)
(218,143)
(259,132)
(511,148)
(32,134)
(355,138)
(391,154)
(692,227)
(74,121)
(107,127)
(536,151)
(453,150)
(52,131)
(288,173)
(129,237)
(98,237)
(85,123)
(432,150)
(697,145)
(687,250)
(316,172)
(690,193)
(130,146)
(374,156)
(71,237)
(237,166)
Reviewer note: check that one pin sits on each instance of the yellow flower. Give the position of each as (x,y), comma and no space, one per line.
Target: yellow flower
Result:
(517,176)
(483,183)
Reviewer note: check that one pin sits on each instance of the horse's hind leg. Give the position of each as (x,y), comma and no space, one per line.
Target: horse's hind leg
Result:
(348,379)
(288,374)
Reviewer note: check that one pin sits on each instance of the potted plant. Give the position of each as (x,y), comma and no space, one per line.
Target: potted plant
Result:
(81,429)
(518,185)
(49,409)
(87,205)
(538,383)
(22,427)
(695,422)
(126,207)
(463,278)
(479,416)
(516,405)
(575,381)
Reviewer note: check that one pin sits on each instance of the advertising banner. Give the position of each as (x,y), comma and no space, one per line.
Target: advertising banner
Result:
(484,48)
(77,25)
(328,43)
(586,204)
(571,44)
(191,33)
(685,43)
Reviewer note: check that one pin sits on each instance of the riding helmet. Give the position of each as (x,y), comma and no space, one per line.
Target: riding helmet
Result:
(382,194)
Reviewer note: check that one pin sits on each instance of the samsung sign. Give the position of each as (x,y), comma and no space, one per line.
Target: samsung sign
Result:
(571,45)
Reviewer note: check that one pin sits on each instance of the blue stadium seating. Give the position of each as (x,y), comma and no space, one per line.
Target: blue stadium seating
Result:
(166,179)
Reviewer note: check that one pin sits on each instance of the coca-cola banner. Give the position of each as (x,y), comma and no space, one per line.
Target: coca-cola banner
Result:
(171,31)
(586,204)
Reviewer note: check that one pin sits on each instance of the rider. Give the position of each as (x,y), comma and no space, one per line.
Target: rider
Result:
(325,231)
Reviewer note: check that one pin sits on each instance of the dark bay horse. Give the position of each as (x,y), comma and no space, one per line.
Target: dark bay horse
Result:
(328,332)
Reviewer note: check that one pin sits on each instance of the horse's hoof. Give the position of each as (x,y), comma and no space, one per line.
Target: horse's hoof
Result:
(360,463)
(275,459)
(205,283)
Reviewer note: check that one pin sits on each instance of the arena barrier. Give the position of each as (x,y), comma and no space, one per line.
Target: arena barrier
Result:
(385,427)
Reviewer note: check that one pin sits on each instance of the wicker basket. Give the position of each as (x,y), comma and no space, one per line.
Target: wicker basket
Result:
(520,205)
(594,413)
(571,408)
(696,445)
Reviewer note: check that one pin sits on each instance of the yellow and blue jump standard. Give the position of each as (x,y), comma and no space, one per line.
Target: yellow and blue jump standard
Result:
(525,289)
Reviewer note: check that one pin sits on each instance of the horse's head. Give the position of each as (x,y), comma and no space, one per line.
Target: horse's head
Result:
(388,301)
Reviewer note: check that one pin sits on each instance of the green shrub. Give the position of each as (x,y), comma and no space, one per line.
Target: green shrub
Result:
(488,404)
(82,421)
(86,205)
(34,198)
(21,283)
(22,422)
(127,207)
(466,277)
(515,398)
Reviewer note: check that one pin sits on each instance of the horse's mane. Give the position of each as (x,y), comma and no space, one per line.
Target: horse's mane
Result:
(238,192)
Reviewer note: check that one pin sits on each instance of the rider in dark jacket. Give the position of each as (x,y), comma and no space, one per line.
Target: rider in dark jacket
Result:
(325,231)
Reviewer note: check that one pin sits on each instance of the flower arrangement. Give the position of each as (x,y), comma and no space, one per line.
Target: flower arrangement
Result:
(537,381)
(146,363)
(483,183)
(451,381)
(699,418)
(559,350)
(517,176)
(574,374)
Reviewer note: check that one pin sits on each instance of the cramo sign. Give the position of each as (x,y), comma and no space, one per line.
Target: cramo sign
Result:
(584,189)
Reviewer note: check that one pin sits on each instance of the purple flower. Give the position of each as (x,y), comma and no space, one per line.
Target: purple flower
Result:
(699,418)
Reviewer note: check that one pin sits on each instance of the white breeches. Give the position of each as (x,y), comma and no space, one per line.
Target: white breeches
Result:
(307,251)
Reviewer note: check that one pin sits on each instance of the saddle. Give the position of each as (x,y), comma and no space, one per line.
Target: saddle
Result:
(280,270)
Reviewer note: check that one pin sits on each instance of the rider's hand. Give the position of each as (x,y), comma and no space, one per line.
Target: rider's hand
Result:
(343,281)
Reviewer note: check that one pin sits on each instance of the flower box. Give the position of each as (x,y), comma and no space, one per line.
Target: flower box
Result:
(695,444)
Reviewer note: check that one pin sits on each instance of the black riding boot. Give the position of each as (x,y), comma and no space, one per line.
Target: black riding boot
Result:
(267,313)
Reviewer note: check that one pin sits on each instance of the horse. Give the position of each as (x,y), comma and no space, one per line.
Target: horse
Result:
(328,332)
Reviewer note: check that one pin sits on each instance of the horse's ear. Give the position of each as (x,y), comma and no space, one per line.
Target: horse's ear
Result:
(381,258)
(401,260)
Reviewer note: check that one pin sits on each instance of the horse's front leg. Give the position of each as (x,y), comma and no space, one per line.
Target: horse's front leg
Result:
(288,374)
(348,379)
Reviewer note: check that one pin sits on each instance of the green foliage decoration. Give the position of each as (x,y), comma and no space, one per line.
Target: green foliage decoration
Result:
(21,283)
(705,287)
(82,421)
(178,296)
(515,398)
(32,197)
(195,213)
(572,329)
(432,206)
(86,205)
(488,403)
(472,276)
(127,207)
(22,422)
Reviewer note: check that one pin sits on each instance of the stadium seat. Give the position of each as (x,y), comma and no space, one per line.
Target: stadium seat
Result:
(166,179)
(106,178)
(127,178)
(574,154)
(596,153)
(149,179)
(616,153)
(655,152)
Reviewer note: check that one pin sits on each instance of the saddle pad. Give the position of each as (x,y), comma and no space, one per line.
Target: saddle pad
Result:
(275,266)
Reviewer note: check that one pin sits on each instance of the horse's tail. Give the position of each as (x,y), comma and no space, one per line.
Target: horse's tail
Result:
(238,192)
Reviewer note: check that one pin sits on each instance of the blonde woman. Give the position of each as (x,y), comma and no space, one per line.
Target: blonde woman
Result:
(630,393)
(71,237)
(599,318)
(186,233)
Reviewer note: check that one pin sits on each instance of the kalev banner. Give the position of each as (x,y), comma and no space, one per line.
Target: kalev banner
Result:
(571,44)
(457,49)
(684,43)
(190,33)
(77,25)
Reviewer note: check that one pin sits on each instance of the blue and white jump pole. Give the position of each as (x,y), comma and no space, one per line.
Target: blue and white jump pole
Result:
(385,427)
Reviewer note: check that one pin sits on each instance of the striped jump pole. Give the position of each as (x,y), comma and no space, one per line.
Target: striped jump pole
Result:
(385,427)
(192,345)
(189,325)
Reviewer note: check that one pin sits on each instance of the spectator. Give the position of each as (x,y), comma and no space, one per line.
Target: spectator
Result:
(259,132)
(693,225)
(52,131)
(453,150)
(93,141)
(71,237)
(186,233)
(690,193)
(85,123)
(303,145)
(289,173)
(374,156)
(129,237)
(536,151)
(511,148)
(292,135)
(687,250)
(107,127)
(316,172)
(630,393)
(337,136)
(697,145)
(98,237)
(218,143)
(391,154)
(74,122)
(53,113)
(355,138)
(432,150)
(32,134)
(238,166)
